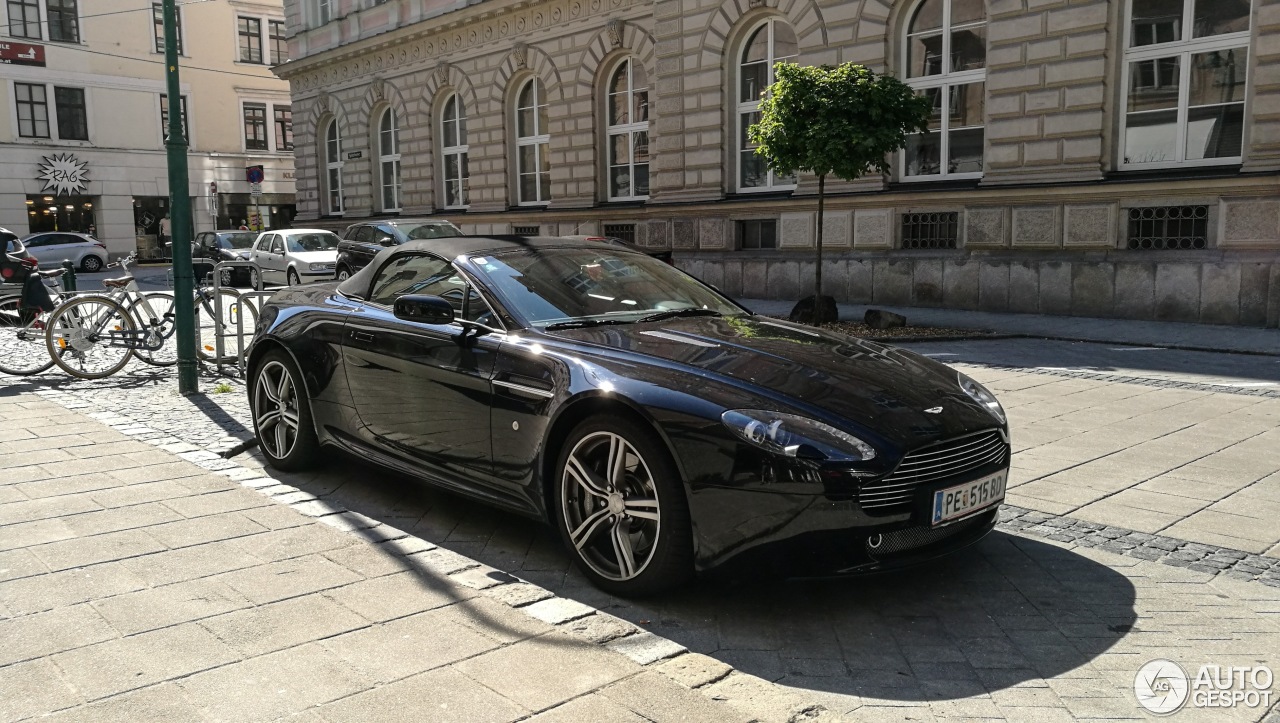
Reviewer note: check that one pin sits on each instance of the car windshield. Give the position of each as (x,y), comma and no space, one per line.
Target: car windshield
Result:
(553,288)
(236,240)
(429,230)
(313,242)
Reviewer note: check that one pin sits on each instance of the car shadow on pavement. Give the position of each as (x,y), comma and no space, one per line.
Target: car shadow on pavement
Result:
(1008,610)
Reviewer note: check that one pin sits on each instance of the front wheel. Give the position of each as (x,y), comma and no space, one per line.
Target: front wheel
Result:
(91,337)
(22,344)
(621,508)
(282,413)
(292,277)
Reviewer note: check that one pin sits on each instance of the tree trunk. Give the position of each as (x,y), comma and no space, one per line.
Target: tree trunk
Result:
(818,306)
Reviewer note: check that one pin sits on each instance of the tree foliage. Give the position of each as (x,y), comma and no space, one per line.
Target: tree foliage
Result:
(841,121)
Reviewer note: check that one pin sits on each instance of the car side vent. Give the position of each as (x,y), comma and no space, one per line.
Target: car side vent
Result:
(526,230)
(624,231)
(930,230)
(1159,228)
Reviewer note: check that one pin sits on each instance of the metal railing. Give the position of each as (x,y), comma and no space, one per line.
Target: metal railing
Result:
(243,297)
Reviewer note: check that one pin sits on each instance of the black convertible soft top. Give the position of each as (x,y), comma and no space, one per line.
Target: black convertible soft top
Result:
(452,247)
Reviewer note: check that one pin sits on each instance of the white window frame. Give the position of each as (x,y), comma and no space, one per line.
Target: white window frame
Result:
(540,140)
(333,162)
(268,46)
(267,131)
(945,81)
(1182,50)
(324,12)
(624,129)
(389,163)
(461,150)
(51,105)
(50,112)
(745,106)
(42,15)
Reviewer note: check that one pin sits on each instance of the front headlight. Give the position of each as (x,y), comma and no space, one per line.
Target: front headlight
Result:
(982,396)
(789,435)
(316,267)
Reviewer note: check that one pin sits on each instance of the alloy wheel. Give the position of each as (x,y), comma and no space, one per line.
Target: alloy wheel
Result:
(610,505)
(91,264)
(275,409)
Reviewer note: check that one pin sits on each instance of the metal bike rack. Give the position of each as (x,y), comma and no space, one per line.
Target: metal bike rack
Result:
(241,299)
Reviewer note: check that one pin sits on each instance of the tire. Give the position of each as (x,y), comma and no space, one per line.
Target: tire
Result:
(271,413)
(91,264)
(224,278)
(639,514)
(78,337)
(208,328)
(292,278)
(343,273)
(22,345)
(162,304)
(254,280)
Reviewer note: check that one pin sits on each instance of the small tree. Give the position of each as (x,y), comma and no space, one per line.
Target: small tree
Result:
(843,121)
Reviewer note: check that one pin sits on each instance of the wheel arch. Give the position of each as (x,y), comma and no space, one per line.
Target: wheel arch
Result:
(570,415)
(260,349)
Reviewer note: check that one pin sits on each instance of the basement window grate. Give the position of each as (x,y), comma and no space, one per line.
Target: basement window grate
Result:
(624,231)
(930,230)
(526,230)
(1161,228)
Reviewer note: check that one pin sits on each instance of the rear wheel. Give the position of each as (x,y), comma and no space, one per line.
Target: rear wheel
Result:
(621,508)
(91,337)
(91,264)
(22,344)
(343,273)
(282,413)
(160,348)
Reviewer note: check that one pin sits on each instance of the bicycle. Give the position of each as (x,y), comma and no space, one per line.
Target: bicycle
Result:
(22,329)
(95,336)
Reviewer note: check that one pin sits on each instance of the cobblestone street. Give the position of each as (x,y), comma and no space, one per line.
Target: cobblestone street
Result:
(1139,525)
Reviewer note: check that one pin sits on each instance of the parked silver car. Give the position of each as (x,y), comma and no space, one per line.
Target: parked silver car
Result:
(53,247)
(288,257)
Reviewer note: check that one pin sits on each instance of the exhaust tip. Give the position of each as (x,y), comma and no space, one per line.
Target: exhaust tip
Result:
(874,541)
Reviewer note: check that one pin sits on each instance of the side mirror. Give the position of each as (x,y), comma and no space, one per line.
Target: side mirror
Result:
(386,241)
(424,309)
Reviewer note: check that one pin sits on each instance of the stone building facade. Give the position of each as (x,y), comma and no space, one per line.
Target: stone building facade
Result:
(1091,157)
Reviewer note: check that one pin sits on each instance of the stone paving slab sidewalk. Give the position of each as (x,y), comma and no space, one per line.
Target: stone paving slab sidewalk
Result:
(142,586)
(135,584)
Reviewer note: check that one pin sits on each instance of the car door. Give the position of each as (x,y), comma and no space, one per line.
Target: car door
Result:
(271,258)
(365,247)
(422,390)
(46,248)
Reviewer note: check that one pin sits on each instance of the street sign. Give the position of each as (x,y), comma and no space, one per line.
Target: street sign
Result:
(21,54)
(255,190)
(254,174)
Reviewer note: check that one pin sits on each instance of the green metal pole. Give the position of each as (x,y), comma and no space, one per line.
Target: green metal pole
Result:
(180,213)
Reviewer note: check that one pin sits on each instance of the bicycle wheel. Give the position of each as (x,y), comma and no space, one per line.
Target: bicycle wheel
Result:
(90,337)
(22,348)
(161,329)
(210,325)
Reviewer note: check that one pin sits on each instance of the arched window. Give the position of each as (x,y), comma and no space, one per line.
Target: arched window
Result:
(946,61)
(333,168)
(772,42)
(389,160)
(1186,73)
(453,152)
(627,133)
(533,167)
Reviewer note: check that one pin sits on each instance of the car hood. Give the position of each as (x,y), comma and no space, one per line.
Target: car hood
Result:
(877,387)
(315,257)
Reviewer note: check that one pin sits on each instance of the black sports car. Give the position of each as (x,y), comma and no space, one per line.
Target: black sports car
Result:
(661,427)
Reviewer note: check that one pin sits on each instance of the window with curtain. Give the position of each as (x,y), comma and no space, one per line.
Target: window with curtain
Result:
(453,152)
(64,21)
(946,61)
(533,167)
(333,168)
(627,133)
(1185,78)
(389,160)
(772,42)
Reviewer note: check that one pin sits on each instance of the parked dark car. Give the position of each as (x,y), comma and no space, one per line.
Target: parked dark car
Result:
(362,241)
(663,255)
(211,247)
(659,426)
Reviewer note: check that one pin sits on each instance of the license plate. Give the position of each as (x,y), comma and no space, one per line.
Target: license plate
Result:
(958,501)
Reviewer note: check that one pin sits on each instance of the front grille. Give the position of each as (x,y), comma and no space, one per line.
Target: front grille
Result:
(940,461)
(916,537)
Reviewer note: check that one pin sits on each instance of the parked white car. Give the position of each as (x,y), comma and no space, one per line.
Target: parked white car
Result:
(51,248)
(289,257)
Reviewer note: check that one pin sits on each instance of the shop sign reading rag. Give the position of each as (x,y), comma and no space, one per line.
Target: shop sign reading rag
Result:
(63,174)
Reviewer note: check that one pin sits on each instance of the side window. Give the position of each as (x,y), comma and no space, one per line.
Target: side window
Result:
(385,230)
(409,274)
(35,242)
(277,246)
(364,234)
